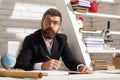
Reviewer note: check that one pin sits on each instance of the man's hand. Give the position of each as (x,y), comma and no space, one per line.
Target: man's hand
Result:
(51,65)
(85,70)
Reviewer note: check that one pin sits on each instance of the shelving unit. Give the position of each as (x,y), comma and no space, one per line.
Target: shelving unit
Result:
(71,28)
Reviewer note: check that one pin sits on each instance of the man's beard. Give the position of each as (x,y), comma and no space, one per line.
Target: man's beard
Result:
(48,33)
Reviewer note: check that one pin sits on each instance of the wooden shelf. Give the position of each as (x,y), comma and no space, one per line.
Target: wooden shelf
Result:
(98,15)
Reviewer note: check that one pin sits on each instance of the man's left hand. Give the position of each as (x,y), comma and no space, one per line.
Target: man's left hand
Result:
(85,70)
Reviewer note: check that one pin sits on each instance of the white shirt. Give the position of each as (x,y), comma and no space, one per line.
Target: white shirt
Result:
(49,47)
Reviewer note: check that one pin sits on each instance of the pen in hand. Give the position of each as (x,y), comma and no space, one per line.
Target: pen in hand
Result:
(48,57)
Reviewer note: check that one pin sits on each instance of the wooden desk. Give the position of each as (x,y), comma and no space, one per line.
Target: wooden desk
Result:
(97,75)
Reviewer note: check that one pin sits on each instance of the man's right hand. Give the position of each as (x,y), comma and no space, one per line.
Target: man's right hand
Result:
(51,65)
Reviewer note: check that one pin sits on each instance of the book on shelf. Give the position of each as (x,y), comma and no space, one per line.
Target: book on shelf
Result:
(55,72)
(80,6)
(95,47)
(81,3)
(94,42)
(89,29)
(93,38)
(99,64)
(80,9)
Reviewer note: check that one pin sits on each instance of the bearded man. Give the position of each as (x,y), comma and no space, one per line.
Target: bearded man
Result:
(43,49)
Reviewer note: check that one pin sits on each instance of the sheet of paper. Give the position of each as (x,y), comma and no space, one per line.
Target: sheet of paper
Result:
(51,72)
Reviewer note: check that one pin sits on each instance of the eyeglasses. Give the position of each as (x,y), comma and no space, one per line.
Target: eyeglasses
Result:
(48,21)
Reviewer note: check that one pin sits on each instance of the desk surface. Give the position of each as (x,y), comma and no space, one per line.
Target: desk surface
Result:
(97,75)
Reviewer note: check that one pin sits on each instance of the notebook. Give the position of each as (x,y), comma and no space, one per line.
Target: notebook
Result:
(55,72)
(51,72)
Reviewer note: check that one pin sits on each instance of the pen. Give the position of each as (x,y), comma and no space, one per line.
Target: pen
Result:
(51,58)
(48,57)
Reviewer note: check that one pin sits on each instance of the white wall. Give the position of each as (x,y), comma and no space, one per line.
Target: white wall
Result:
(19,18)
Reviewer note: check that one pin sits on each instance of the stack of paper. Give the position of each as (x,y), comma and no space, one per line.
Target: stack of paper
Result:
(55,72)
(50,72)
(94,42)
(80,5)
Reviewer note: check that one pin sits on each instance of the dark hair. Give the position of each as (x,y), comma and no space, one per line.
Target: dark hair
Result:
(53,12)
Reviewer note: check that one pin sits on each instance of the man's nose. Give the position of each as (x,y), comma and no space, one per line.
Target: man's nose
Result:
(51,25)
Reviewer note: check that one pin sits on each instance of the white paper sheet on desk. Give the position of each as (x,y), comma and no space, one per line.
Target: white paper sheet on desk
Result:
(51,72)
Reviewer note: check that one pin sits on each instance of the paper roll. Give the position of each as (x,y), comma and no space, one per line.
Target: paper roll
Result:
(20,74)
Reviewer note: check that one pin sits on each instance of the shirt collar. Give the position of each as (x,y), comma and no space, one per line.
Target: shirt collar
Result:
(49,46)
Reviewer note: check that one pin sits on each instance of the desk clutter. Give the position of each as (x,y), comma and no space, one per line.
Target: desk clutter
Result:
(19,73)
(102,65)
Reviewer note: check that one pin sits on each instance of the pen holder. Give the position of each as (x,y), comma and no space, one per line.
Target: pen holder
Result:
(116,62)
